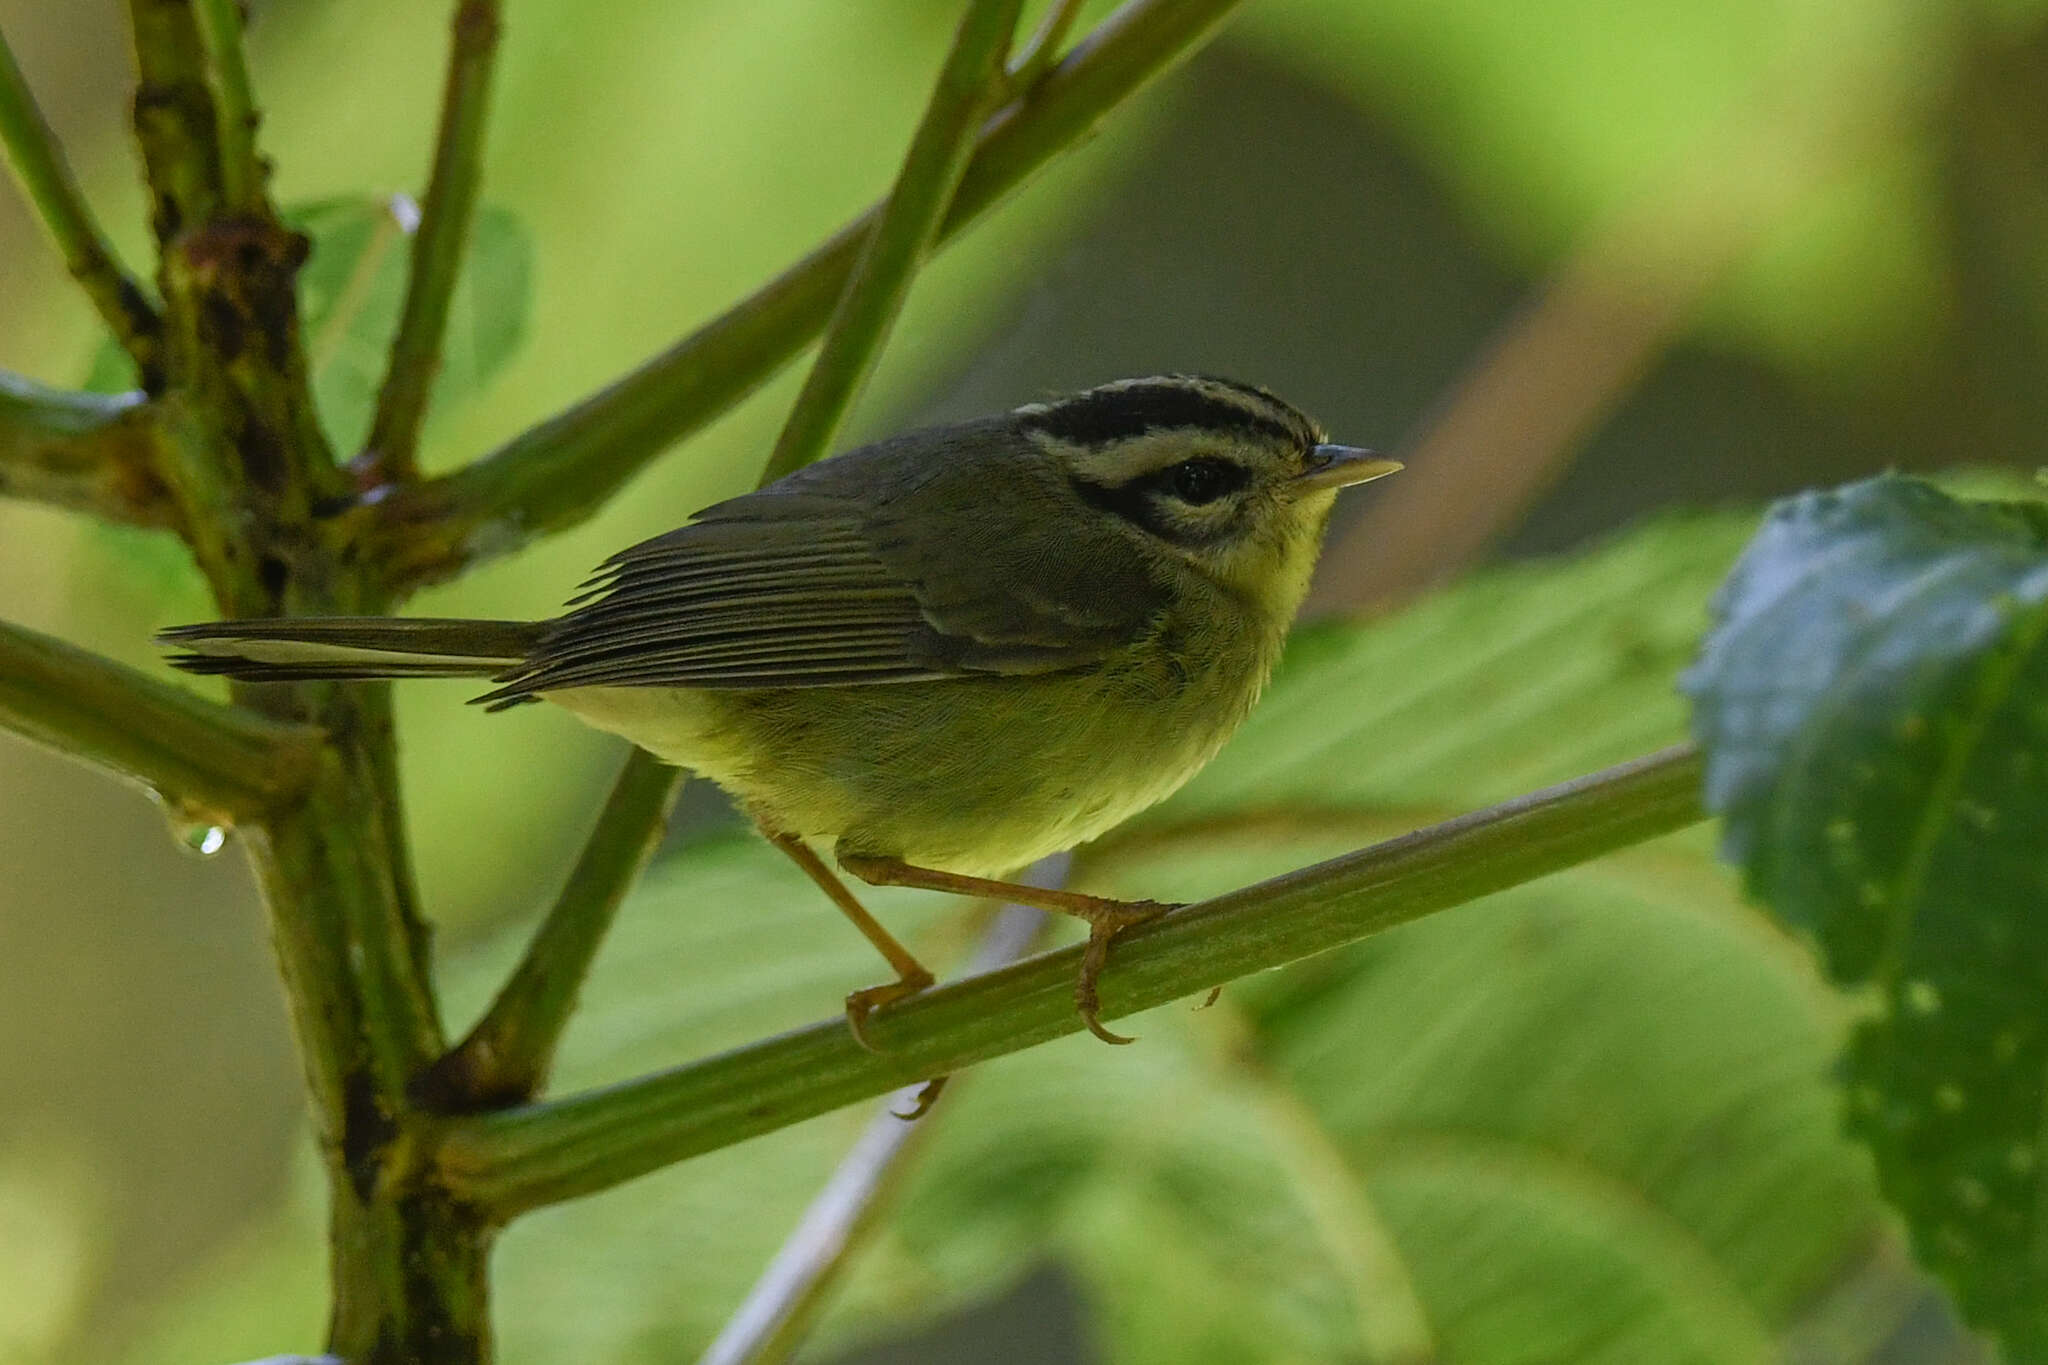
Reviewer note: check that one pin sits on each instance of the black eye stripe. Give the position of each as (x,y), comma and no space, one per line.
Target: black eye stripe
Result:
(1146,501)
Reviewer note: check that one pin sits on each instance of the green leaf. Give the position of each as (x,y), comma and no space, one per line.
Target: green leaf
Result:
(353,287)
(1874,707)
(351,291)
(1591,1115)
(1586,1120)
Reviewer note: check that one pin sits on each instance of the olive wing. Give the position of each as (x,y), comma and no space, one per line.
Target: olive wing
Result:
(795,588)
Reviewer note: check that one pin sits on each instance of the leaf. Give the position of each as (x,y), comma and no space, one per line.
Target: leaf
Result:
(1591,1114)
(1874,707)
(1585,1120)
(351,290)
(1526,675)
(350,293)
(353,287)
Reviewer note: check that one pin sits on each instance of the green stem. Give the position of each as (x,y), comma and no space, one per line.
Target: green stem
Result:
(47,180)
(968,85)
(1038,56)
(88,452)
(506,1056)
(556,474)
(438,246)
(249,466)
(508,1162)
(241,173)
(209,763)
(174,119)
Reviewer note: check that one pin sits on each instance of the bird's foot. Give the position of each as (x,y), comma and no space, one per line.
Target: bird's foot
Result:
(927,1096)
(1105,922)
(863,1003)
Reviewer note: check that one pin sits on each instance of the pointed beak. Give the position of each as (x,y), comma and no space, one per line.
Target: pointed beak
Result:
(1342,466)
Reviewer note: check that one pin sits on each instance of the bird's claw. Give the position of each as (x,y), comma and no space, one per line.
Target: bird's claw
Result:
(863,1003)
(1101,932)
(927,1096)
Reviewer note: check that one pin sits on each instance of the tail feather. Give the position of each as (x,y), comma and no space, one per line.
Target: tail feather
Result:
(302,649)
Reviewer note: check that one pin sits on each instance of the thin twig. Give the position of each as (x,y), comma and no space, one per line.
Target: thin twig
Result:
(556,474)
(507,1055)
(437,248)
(234,101)
(1028,68)
(969,84)
(508,1162)
(46,177)
(89,452)
(174,119)
(208,762)
(778,1311)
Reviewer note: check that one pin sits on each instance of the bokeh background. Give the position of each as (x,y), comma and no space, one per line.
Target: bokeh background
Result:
(1581,260)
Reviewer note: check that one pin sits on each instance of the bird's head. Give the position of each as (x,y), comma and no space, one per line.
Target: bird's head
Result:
(1224,477)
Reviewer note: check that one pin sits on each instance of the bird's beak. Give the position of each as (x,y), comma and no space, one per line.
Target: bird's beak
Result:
(1342,466)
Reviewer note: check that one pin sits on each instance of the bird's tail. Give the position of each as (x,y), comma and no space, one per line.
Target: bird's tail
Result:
(310,648)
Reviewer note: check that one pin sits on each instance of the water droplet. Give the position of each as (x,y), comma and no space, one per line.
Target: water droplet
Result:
(2019,1159)
(1948,1098)
(405,211)
(200,833)
(1970,1192)
(1922,997)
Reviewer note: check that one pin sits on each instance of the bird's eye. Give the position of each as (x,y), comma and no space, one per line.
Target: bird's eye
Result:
(1196,482)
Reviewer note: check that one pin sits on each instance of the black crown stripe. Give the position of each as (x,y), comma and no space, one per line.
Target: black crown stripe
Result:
(1101,416)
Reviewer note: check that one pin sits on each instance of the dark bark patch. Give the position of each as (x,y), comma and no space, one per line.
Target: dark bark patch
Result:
(273,573)
(264,457)
(366,1130)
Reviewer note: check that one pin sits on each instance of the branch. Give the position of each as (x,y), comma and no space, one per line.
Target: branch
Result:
(235,117)
(206,761)
(509,1162)
(47,179)
(87,452)
(1039,54)
(438,246)
(506,1056)
(558,473)
(174,119)
(969,82)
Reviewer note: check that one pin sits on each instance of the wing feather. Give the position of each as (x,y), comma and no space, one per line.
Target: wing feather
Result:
(854,572)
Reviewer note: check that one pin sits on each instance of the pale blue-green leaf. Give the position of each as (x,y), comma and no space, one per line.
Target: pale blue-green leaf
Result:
(1874,707)
(353,286)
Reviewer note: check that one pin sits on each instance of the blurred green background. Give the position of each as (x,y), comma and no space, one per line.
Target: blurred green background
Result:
(1814,235)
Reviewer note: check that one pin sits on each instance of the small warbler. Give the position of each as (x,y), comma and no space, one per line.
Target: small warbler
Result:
(952,652)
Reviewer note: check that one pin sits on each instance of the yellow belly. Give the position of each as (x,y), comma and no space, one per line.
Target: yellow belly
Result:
(979,775)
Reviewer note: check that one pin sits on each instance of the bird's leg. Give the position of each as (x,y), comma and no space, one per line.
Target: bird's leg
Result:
(1106,918)
(911,976)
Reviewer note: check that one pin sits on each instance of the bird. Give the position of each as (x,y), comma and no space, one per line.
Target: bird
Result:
(948,653)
